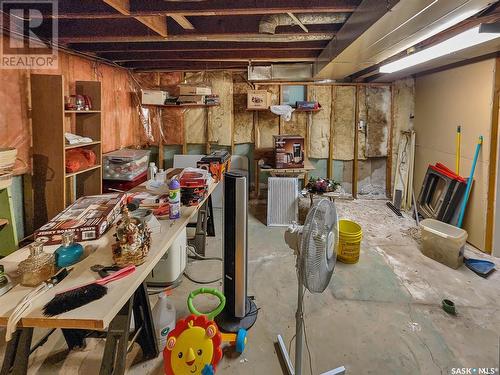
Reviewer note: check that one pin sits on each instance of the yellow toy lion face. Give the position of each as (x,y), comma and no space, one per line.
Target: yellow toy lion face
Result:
(192,348)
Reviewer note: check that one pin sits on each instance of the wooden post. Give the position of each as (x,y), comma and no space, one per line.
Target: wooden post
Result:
(388,171)
(356,136)
(330,162)
(280,126)
(208,146)
(161,151)
(492,168)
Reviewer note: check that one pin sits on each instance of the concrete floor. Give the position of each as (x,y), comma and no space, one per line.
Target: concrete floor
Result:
(380,316)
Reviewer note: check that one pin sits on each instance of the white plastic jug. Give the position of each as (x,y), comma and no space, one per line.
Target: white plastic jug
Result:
(163,319)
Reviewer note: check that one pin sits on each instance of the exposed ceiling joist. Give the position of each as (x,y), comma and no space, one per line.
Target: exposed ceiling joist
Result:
(196,46)
(77,9)
(210,55)
(240,7)
(247,37)
(183,21)
(192,66)
(156,23)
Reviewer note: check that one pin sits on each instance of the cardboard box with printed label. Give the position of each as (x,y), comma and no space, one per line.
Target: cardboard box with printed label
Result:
(258,99)
(288,151)
(89,218)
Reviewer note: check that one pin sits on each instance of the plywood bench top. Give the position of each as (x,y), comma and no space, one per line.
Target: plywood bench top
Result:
(96,315)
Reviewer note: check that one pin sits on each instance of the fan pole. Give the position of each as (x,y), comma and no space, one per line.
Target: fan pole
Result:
(299,321)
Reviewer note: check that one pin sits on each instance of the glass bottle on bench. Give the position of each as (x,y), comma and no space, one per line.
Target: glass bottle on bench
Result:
(38,267)
(70,252)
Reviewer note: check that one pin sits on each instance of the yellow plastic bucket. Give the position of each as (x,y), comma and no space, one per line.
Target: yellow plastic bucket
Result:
(350,235)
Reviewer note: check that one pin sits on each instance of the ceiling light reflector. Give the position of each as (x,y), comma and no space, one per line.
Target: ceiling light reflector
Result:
(459,42)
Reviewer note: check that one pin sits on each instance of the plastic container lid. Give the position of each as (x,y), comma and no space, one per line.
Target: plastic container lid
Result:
(126,154)
(443,229)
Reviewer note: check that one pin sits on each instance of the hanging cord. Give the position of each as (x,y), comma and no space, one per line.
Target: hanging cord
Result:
(155,291)
(199,257)
(201,282)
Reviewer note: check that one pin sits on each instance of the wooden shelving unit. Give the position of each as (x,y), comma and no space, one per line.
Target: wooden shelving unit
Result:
(53,188)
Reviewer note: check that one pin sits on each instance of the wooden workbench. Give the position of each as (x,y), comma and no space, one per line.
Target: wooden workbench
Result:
(97,315)
(300,173)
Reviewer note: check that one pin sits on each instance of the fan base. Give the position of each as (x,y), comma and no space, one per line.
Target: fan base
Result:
(229,323)
(288,363)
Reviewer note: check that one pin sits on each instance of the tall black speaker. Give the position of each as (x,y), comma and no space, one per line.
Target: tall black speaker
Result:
(240,311)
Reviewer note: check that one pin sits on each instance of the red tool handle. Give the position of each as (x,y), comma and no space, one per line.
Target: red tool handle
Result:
(124,272)
(105,280)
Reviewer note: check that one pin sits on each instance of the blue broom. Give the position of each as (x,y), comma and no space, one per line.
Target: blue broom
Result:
(469,183)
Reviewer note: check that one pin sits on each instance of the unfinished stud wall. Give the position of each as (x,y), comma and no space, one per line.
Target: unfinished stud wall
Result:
(243,119)
(460,96)
(404,110)
(231,124)
(319,144)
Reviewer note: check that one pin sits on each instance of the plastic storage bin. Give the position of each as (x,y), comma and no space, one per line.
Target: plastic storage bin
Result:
(443,242)
(125,164)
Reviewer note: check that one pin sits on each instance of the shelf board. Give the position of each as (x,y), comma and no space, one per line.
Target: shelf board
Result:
(69,147)
(181,105)
(307,110)
(78,112)
(82,171)
(295,109)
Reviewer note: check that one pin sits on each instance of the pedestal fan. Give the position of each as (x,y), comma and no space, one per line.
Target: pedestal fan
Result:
(315,245)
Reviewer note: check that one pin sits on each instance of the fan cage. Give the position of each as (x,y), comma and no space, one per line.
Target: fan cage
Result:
(319,246)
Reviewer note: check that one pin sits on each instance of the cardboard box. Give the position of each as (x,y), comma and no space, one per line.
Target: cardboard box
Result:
(258,99)
(89,218)
(194,90)
(288,151)
(153,97)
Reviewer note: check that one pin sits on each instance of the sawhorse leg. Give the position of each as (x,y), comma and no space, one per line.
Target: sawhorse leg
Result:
(115,351)
(117,339)
(17,353)
(143,320)
(210,218)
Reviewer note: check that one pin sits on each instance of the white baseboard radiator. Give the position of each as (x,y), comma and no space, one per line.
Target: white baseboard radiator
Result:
(282,201)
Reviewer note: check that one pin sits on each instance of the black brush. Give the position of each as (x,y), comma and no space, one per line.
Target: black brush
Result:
(82,295)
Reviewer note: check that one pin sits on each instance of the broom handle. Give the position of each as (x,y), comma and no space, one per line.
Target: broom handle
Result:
(124,272)
(105,280)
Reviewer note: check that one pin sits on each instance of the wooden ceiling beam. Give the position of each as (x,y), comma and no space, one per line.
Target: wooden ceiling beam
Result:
(257,60)
(243,7)
(75,9)
(204,55)
(195,46)
(243,37)
(156,23)
(189,65)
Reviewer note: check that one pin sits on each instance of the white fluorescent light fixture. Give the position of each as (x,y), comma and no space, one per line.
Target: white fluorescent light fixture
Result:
(459,42)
